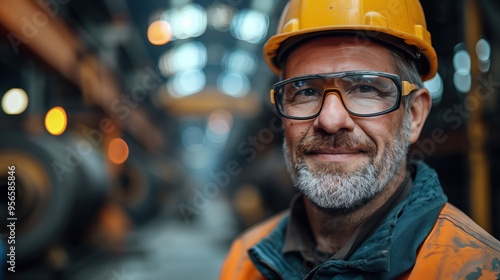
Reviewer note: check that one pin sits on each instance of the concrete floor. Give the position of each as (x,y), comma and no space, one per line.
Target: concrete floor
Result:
(164,248)
(171,249)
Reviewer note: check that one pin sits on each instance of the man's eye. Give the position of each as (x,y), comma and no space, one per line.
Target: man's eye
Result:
(364,91)
(307,92)
(303,95)
(365,88)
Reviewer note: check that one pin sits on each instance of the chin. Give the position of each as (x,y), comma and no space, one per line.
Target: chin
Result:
(341,210)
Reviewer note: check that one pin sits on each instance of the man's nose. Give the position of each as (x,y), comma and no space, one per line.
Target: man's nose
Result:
(333,116)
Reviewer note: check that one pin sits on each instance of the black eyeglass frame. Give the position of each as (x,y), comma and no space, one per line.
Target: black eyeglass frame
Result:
(404,89)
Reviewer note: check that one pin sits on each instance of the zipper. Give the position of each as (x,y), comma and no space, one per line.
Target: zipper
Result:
(313,271)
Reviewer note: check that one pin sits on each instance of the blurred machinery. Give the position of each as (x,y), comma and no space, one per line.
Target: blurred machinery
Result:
(51,205)
(89,164)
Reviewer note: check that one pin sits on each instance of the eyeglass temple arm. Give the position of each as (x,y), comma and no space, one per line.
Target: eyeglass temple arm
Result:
(407,88)
(271,95)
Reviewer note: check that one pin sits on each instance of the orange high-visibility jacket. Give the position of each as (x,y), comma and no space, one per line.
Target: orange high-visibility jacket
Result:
(455,248)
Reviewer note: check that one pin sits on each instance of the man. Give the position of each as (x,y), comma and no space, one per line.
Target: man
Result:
(352,101)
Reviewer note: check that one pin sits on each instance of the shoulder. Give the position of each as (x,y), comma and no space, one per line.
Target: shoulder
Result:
(237,264)
(457,248)
(462,230)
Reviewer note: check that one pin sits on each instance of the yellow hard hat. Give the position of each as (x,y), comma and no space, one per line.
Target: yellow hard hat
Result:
(399,24)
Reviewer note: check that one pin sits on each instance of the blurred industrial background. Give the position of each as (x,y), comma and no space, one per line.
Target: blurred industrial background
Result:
(143,140)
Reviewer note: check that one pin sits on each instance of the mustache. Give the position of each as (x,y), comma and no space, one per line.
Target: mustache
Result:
(341,139)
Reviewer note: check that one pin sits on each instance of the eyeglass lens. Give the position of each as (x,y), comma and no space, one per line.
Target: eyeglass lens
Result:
(360,93)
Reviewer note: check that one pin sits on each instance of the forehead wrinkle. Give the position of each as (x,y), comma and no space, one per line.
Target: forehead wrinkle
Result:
(368,55)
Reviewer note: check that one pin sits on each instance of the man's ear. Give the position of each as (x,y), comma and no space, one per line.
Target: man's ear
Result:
(420,106)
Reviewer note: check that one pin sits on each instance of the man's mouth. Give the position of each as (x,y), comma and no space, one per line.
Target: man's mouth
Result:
(335,154)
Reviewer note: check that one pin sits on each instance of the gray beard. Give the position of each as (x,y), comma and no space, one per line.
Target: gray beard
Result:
(334,189)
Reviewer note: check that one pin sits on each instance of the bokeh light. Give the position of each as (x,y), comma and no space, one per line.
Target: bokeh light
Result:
(186,83)
(159,32)
(118,151)
(436,88)
(462,77)
(219,126)
(56,121)
(187,22)
(14,101)
(241,61)
(483,52)
(250,26)
(220,16)
(191,55)
(462,62)
(233,84)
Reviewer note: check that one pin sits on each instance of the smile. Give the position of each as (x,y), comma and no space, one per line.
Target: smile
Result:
(335,154)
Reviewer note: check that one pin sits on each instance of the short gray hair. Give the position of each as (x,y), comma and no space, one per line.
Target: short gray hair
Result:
(407,71)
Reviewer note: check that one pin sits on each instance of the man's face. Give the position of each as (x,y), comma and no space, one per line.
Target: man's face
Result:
(338,161)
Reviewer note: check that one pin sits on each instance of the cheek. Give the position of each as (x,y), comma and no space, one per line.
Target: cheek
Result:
(382,133)
(295,131)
